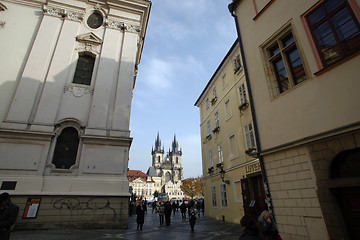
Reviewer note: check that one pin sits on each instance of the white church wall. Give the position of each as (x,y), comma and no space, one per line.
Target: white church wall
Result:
(14,58)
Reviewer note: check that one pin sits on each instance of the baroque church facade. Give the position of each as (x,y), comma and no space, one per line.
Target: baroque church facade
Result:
(66,91)
(167,168)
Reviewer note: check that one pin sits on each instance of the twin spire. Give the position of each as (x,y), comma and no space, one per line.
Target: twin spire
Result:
(174,146)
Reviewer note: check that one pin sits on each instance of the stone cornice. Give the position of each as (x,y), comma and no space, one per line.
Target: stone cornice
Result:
(117,25)
(64,13)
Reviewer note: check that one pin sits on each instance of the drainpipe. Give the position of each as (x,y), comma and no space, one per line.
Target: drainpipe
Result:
(258,153)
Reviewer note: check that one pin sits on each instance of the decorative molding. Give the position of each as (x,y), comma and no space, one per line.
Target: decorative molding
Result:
(63,13)
(89,42)
(78,91)
(89,38)
(122,26)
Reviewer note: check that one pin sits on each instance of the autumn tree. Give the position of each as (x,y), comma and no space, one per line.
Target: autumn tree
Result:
(192,187)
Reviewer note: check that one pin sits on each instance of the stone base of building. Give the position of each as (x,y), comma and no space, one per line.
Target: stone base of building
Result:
(56,212)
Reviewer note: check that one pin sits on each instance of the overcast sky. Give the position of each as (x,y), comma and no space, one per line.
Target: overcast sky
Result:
(184,44)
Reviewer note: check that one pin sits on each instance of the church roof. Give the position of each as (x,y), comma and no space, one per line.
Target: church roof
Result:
(151,171)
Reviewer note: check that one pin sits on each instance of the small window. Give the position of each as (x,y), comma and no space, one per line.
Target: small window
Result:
(207,104)
(224,81)
(237,63)
(286,63)
(84,70)
(95,20)
(213,196)
(249,136)
(228,112)
(208,128)
(214,93)
(335,30)
(220,153)
(66,148)
(211,160)
(216,118)
(232,146)
(223,195)
(242,95)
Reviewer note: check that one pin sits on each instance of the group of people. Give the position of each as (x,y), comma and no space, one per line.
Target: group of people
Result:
(165,209)
(264,228)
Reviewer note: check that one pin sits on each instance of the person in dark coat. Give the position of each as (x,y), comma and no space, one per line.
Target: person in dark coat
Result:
(183,210)
(8,215)
(250,229)
(192,218)
(167,213)
(140,212)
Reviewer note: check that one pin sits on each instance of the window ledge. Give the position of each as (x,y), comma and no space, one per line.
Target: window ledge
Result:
(335,64)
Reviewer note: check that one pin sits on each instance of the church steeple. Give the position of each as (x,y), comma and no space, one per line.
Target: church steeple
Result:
(175,147)
(157,145)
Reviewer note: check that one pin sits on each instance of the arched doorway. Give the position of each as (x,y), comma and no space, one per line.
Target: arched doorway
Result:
(345,172)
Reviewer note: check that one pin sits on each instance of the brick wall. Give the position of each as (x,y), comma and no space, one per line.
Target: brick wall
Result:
(292,185)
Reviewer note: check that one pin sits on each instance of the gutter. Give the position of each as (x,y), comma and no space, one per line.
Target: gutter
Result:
(232,7)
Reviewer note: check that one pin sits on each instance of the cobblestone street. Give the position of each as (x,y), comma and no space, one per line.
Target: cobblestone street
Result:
(205,228)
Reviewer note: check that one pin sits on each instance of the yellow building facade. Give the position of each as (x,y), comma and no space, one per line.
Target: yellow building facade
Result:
(301,60)
(233,180)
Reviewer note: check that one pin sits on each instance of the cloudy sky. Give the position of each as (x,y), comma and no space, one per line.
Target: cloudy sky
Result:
(184,44)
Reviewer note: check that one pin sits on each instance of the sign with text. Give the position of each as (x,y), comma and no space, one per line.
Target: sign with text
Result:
(32,208)
(255,167)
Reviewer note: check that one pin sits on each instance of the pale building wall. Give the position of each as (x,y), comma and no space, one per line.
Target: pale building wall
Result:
(310,105)
(42,40)
(302,129)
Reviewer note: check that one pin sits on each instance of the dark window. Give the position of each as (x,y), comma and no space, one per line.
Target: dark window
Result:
(66,148)
(286,62)
(8,185)
(84,70)
(335,30)
(95,20)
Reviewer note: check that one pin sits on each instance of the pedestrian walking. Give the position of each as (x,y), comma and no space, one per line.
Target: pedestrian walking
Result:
(167,213)
(183,210)
(153,205)
(198,208)
(140,212)
(8,215)
(161,212)
(192,218)
(250,229)
(173,207)
(268,228)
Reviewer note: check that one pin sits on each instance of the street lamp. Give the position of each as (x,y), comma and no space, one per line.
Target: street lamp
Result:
(222,176)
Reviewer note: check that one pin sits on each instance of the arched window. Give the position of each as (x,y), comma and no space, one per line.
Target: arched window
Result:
(66,148)
(346,164)
(167,177)
(84,70)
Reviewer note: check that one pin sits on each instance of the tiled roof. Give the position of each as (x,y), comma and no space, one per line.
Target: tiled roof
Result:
(139,174)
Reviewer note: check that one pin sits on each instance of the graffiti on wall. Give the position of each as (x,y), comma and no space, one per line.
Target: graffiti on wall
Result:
(75,206)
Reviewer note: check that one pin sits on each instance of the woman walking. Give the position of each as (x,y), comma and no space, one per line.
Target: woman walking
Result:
(192,218)
(140,212)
